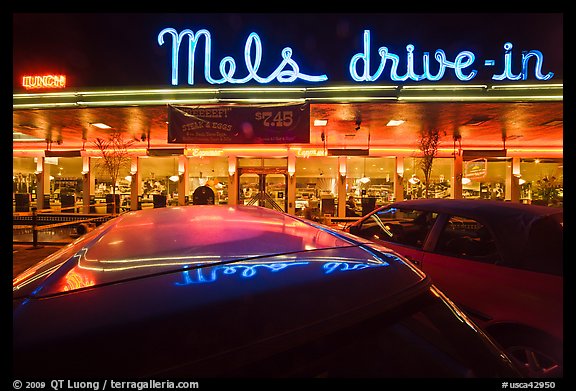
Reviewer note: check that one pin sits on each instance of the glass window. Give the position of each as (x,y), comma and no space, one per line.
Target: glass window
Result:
(542,181)
(23,183)
(66,188)
(316,186)
(263,189)
(439,185)
(370,180)
(407,227)
(103,181)
(485,178)
(421,338)
(23,177)
(211,171)
(103,187)
(466,238)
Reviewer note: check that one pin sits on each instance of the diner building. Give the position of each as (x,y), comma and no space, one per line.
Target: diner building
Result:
(302,143)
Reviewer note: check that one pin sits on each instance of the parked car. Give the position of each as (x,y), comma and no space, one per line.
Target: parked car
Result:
(501,262)
(238,291)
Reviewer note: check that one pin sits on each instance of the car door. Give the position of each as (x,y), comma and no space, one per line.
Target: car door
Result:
(464,263)
(403,230)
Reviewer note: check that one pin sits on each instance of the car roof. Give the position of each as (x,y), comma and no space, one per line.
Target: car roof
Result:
(476,207)
(158,241)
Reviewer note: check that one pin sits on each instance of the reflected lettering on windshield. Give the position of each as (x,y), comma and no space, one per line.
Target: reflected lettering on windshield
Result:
(203,276)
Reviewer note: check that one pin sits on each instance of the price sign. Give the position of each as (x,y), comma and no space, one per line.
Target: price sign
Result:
(239,124)
(270,119)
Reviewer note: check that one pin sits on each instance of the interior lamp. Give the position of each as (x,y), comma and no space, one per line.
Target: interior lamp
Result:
(182,165)
(134,166)
(364,178)
(291,166)
(174,178)
(342,167)
(400,167)
(231,165)
(39,166)
(414,180)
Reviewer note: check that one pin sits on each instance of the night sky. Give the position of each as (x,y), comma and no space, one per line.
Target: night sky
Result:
(113,50)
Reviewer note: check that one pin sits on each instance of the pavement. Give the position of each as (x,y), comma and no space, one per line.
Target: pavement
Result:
(26,255)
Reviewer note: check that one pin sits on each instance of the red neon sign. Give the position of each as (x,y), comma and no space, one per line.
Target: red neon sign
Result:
(47,81)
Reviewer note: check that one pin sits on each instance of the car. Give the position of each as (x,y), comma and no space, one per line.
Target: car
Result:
(238,291)
(501,262)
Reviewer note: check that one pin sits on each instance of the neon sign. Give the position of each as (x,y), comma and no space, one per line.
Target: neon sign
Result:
(47,81)
(288,71)
(461,64)
(310,152)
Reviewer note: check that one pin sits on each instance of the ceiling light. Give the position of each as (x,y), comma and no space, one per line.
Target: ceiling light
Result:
(466,181)
(28,126)
(101,125)
(320,122)
(475,121)
(364,179)
(395,122)
(554,122)
(17,136)
(174,178)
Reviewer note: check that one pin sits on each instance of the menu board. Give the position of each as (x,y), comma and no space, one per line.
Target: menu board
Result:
(239,124)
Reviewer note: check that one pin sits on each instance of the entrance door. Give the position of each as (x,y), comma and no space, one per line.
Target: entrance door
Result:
(263,187)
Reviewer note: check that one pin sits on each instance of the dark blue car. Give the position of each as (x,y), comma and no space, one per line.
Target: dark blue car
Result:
(221,291)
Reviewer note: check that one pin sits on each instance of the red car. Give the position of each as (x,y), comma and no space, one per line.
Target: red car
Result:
(501,262)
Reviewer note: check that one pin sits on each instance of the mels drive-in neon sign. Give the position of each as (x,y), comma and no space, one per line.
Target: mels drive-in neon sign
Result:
(288,70)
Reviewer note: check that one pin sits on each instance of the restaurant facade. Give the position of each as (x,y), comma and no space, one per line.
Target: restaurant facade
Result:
(262,130)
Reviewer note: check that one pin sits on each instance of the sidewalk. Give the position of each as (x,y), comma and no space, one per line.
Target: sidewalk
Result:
(25,255)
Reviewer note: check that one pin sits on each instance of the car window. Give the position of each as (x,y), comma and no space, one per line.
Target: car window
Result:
(544,250)
(403,226)
(467,238)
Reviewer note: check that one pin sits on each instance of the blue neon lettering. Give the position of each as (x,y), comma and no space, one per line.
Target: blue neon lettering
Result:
(440,56)
(462,61)
(507,74)
(538,69)
(288,70)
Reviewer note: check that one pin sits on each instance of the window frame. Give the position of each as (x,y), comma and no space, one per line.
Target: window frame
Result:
(426,240)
